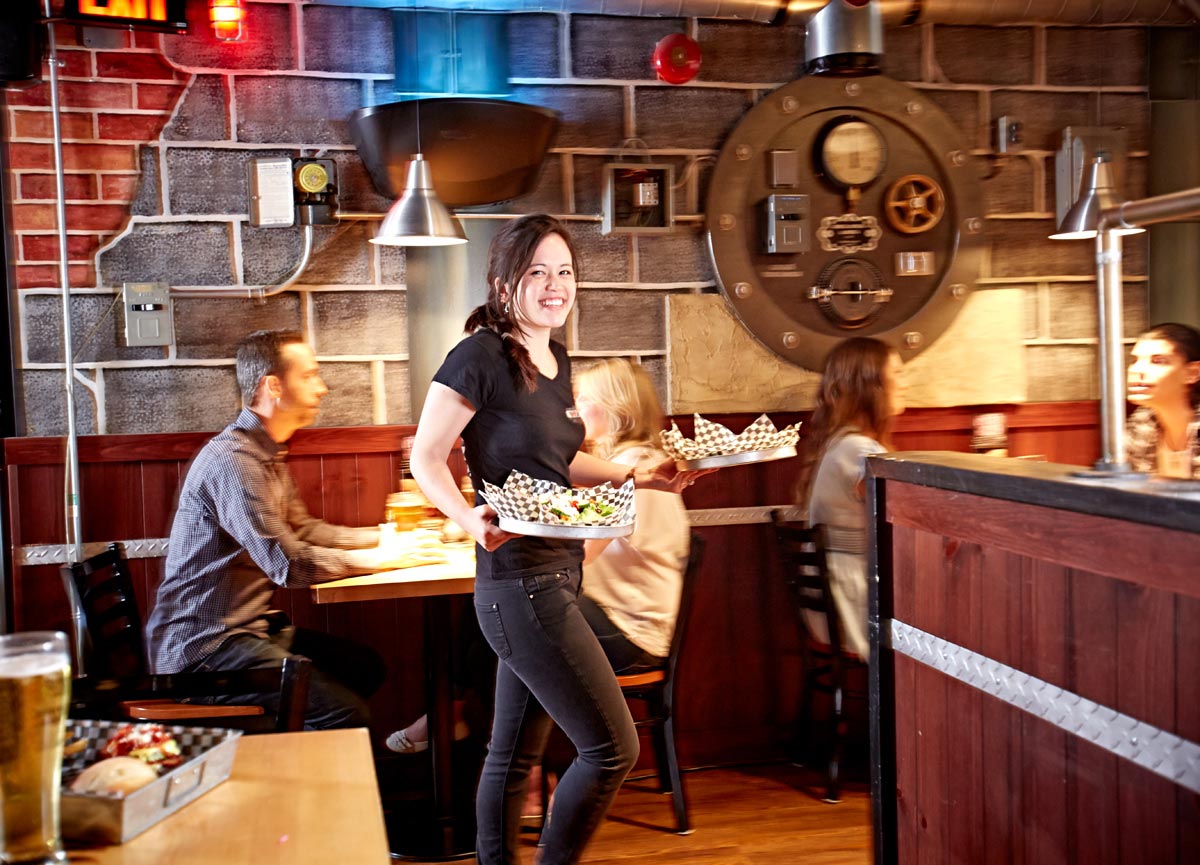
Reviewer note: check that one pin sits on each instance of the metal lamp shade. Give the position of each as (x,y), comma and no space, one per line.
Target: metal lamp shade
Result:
(1096,194)
(418,218)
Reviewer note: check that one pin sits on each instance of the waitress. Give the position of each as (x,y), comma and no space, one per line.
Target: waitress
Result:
(506,390)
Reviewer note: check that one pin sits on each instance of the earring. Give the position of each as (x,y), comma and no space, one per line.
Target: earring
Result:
(507,304)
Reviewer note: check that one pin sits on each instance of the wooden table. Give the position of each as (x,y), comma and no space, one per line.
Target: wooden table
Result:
(292,799)
(436,584)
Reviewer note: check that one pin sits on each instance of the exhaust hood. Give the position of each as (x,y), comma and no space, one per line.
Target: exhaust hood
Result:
(480,151)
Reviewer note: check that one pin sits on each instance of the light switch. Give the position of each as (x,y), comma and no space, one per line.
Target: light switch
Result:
(148,314)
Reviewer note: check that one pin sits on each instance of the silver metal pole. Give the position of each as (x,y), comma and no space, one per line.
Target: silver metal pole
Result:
(1112,360)
(74,527)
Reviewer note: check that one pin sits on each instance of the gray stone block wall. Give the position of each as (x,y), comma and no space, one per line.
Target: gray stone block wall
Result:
(289,89)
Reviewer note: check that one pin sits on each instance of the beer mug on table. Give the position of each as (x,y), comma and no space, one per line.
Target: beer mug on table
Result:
(35,672)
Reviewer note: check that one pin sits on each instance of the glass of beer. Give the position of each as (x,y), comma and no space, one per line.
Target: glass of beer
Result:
(34,674)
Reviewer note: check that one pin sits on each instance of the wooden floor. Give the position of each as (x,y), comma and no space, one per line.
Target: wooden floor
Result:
(761,815)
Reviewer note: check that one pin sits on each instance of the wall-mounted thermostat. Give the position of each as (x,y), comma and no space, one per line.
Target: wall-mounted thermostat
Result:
(638,198)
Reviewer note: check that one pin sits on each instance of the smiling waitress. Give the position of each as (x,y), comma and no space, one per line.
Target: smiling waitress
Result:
(506,390)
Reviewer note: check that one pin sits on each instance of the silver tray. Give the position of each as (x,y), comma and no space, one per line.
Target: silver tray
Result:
(548,530)
(93,818)
(721,461)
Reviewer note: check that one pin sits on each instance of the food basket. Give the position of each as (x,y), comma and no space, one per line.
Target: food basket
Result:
(715,446)
(96,818)
(527,506)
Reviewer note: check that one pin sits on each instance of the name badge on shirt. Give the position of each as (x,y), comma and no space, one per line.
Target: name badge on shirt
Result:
(573,415)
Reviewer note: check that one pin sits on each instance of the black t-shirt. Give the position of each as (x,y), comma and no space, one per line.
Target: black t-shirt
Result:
(515,429)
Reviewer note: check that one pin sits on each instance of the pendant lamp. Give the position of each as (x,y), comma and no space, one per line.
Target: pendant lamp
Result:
(418,218)
(1096,194)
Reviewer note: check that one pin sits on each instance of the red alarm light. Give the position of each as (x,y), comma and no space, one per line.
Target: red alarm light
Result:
(676,58)
(228,18)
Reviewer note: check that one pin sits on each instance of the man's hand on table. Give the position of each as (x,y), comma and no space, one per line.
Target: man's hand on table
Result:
(401,550)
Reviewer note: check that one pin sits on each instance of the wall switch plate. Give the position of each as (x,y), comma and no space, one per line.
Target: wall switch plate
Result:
(272,196)
(149,314)
(638,198)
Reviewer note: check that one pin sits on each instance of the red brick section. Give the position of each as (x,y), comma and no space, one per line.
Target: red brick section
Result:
(113,102)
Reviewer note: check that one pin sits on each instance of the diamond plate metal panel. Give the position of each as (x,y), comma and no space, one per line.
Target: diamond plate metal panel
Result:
(60,554)
(1163,753)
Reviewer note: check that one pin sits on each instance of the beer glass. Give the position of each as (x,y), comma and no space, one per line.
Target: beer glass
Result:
(34,674)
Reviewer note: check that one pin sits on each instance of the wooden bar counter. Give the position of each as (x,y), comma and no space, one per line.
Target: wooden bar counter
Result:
(1035,663)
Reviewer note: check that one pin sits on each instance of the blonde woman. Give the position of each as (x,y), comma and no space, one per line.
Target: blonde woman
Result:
(631,585)
(861,394)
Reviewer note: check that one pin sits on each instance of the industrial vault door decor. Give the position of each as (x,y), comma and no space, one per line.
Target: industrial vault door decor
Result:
(844,206)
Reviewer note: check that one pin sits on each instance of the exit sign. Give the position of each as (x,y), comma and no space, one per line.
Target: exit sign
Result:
(167,15)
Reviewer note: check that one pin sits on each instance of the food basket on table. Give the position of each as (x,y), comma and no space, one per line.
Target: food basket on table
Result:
(716,446)
(528,506)
(108,818)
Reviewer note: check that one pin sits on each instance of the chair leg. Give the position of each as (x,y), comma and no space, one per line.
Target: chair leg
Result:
(833,793)
(804,745)
(678,796)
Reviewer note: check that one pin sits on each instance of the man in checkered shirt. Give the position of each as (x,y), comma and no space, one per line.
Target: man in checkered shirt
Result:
(240,532)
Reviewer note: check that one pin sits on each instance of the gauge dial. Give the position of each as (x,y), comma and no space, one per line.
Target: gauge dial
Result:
(852,152)
(312,177)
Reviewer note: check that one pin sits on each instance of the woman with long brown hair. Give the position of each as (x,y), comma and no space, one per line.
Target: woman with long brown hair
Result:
(861,393)
(506,390)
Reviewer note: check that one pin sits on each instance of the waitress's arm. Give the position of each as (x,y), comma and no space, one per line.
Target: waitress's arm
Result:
(444,417)
(590,471)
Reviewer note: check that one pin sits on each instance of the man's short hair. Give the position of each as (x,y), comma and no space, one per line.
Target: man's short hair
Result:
(261,354)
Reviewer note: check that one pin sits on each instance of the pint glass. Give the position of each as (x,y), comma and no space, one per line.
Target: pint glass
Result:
(34,671)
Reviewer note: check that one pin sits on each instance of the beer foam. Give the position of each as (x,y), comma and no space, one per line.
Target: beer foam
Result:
(24,666)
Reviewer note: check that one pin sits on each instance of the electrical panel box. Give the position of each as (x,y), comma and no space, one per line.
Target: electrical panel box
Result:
(148,314)
(638,198)
(785,224)
(272,199)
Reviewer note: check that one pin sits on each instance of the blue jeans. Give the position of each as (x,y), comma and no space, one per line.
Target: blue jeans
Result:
(344,673)
(552,671)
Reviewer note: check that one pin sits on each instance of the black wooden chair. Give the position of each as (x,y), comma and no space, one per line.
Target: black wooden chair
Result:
(827,666)
(112,676)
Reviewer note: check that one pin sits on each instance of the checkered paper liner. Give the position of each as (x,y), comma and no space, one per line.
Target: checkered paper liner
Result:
(713,439)
(519,499)
(193,741)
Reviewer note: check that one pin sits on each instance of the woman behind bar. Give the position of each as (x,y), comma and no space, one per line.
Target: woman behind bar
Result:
(1164,384)
(631,585)
(861,393)
(506,389)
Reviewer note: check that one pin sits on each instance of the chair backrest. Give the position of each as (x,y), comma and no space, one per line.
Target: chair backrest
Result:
(802,553)
(105,621)
(687,594)
(100,697)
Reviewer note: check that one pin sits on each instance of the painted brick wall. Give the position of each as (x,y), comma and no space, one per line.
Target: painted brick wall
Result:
(158,134)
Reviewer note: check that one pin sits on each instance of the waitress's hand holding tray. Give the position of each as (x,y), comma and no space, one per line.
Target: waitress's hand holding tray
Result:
(715,446)
(528,506)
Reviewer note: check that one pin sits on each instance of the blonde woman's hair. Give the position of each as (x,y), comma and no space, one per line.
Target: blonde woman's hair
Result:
(629,400)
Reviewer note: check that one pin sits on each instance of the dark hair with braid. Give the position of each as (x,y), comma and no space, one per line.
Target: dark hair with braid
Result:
(509,256)
(1186,342)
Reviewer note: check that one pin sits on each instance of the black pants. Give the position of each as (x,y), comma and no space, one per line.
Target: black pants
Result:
(344,675)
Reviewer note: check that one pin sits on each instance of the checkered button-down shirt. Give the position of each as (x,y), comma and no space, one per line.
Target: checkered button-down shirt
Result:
(240,531)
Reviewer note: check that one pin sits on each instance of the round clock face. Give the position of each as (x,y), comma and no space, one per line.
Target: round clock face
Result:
(312,177)
(852,152)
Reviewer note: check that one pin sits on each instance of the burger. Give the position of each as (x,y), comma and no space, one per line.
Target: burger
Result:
(150,743)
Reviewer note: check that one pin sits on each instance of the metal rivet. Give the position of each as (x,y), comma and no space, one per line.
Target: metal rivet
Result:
(790,340)
(958,291)
(853,88)
(743,151)
(974,225)
(789,104)
(912,339)
(531,597)
(726,221)
(914,107)
(742,289)
(958,157)
(1133,740)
